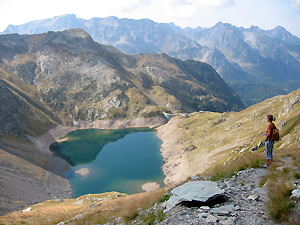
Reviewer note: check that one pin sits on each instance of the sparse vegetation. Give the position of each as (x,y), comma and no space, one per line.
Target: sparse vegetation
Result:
(280,203)
(151,217)
(90,209)
(254,160)
(280,184)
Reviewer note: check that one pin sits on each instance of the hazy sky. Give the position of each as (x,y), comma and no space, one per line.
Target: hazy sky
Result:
(266,14)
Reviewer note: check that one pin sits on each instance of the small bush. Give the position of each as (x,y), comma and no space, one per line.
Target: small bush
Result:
(297,175)
(165,198)
(131,216)
(150,218)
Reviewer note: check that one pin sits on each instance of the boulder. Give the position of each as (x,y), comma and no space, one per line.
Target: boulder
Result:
(200,192)
(295,195)
(190,148)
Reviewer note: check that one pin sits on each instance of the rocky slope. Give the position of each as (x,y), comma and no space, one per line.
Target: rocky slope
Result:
(246,58)
(28,174)
(21,112)
(83,81)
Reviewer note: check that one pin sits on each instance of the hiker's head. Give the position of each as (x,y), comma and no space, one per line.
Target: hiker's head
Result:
(271,118)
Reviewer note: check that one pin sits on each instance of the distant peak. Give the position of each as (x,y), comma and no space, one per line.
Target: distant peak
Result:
(66,16)
(223,25)
(279,28)
(254,28)
(112,17)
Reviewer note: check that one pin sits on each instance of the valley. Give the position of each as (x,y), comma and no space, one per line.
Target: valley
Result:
(188,154)
(57,82)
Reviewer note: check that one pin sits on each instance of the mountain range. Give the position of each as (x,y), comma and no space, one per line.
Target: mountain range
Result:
(256,63)
(69,75)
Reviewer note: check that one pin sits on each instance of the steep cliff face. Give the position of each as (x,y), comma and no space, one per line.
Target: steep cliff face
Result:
(83,81)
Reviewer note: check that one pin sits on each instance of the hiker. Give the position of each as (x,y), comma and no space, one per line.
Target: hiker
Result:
(269,142)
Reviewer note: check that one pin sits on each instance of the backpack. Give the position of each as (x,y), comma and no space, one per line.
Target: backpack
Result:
(275,134)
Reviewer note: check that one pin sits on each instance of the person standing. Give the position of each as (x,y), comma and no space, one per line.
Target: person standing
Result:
(269,142)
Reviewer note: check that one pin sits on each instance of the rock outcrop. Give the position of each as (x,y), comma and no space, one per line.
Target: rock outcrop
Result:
(21,113)
(194,192)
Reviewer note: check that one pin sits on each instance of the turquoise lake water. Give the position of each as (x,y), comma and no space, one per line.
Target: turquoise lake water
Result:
(118,160)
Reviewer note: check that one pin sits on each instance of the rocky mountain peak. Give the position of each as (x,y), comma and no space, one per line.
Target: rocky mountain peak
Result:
(224,26)
(282,34)
(76,33)
(254,29)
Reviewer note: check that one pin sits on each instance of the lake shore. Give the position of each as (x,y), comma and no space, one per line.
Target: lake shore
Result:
(53,184)
(176,167)
(57,133)
(60,166)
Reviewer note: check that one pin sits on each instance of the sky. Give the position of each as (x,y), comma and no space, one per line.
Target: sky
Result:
(266,14)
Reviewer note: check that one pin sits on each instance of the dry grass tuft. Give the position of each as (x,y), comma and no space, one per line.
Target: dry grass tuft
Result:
(253,160)
(280,204)
(280,184)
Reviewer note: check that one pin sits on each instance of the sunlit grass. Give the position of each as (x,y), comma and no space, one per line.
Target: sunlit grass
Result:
(253,160)
(106,208)
(280,184)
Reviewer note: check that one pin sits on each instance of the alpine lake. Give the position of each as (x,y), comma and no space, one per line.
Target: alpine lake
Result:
(105,160)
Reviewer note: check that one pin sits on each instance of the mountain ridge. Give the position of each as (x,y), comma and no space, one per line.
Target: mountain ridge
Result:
(82,81)
(252,54)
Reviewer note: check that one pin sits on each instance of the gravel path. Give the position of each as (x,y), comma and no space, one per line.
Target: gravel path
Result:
(244,203)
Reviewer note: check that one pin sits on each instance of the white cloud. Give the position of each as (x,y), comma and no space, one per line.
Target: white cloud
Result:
(295,4)
(212,3)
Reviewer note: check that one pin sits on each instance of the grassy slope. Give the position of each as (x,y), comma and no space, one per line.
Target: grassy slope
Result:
(222,137)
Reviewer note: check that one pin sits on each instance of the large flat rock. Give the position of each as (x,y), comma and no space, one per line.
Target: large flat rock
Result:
(200,191)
